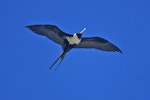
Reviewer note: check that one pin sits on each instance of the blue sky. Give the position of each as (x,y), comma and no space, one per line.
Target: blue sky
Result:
(84,74)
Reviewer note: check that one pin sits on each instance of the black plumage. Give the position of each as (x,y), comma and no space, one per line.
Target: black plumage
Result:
(68,41)
(97,43)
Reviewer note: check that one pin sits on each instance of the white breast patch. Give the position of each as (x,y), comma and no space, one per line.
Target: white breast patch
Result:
(73,40)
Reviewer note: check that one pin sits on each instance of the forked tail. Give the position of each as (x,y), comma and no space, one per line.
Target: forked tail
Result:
(60,57)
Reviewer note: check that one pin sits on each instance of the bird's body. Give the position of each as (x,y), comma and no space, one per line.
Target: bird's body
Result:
(68,41)
(73,40)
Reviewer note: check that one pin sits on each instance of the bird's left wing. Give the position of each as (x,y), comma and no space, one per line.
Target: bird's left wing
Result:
(50,31)
(97,43)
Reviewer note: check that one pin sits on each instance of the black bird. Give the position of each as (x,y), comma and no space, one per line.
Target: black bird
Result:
(68,41)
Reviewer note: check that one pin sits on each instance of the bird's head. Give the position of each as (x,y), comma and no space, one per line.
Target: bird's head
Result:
(80,33)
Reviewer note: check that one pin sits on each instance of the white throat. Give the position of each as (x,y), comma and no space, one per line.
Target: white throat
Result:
(73,40)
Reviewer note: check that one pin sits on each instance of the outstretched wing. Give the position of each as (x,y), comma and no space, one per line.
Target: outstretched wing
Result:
(50,31)
(97,43)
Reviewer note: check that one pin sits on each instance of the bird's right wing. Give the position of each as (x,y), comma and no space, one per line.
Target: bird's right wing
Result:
(50,31)
(97,43)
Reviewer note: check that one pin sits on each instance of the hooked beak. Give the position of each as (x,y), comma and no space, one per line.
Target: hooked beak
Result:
(82,30)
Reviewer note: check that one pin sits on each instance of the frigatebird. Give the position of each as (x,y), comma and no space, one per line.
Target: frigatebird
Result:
(68,41)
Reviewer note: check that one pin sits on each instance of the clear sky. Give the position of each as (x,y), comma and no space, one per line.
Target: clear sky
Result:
(85,74)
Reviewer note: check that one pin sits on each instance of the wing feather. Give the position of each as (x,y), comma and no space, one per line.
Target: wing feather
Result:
(97,43)
(50,31)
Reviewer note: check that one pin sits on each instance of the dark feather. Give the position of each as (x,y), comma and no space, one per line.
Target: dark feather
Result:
(50,31)
(97,43)
(61,57)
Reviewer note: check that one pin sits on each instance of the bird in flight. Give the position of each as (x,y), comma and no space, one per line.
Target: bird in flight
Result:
(68,41)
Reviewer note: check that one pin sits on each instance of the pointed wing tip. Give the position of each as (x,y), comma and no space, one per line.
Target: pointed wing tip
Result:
(29,26)
(26,26)
(114,48)
(119,51)
(35,28)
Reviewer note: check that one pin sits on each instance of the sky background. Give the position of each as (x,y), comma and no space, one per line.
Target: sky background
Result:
(85,74)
